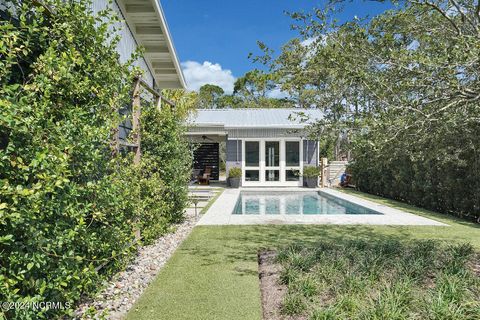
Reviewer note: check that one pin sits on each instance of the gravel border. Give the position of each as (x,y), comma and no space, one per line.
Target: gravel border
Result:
(123,290)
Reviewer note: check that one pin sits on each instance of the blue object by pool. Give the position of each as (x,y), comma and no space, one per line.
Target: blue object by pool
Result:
(306,203)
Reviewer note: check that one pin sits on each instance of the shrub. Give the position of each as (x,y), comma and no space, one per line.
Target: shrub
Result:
(437,172)
(166,159)
(67,207)
(311,172)
(340,283)
(235,172)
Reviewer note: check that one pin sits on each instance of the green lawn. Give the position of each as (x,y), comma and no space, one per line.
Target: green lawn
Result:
(213,275)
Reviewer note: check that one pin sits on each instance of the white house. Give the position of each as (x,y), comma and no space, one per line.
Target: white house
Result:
(269,145)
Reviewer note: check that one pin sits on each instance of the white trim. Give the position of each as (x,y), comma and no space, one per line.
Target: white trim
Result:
(166,33)
(171,46)
(267,126)
(282,165)
(207,133)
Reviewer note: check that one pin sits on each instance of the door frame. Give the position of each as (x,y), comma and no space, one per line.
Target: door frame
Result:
(262,167)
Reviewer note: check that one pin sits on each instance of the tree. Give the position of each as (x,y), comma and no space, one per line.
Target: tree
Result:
(70,203)
(208,96)
(254,88)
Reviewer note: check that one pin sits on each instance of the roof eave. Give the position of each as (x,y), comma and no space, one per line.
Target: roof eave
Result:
(170,44)
(160,78)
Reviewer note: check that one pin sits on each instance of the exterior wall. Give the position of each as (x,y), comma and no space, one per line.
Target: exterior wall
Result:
(127,45)
(263,133)
(310,153)
(233,157)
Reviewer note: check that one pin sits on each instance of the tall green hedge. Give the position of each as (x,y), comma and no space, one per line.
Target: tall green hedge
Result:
(67,205)
(440,172)
(167,159)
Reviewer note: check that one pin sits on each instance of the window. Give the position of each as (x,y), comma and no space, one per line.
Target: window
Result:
(272,175)
(292,153)
(252,153)
(252,175)
(292,175)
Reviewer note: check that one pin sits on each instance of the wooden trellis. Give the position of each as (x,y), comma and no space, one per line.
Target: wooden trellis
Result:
(138,85)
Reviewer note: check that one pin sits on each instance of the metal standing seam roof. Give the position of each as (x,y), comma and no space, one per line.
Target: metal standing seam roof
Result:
(253,118)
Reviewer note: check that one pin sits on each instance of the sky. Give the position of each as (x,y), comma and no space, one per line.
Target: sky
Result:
(214,37)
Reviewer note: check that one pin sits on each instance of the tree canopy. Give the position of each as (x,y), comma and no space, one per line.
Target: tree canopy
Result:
(252,90)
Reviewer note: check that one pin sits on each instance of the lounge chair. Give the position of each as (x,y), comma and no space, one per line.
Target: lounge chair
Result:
(204,179)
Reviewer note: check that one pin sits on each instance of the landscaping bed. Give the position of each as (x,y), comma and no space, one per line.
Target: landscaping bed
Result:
(361,279)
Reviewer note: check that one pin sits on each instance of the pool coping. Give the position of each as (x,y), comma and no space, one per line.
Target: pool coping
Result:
(220,213)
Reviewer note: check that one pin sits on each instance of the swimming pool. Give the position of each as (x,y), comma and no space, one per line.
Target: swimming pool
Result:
(295,203)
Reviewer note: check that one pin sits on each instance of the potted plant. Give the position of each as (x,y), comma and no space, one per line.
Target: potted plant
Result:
(235,176)
(310,176)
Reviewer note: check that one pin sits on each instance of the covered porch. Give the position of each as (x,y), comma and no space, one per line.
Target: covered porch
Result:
(269,148)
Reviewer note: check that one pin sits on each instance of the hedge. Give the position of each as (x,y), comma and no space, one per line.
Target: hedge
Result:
(68,205)
(440,172)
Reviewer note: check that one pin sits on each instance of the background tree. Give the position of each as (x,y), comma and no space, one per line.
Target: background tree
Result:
(209,96)
(254,89)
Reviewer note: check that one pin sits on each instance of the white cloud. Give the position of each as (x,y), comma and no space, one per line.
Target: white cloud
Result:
(196,75)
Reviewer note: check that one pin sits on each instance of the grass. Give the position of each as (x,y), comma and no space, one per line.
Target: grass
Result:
(213,274)
(359,279)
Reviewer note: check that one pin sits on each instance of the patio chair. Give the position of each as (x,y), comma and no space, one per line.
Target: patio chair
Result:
(204,179)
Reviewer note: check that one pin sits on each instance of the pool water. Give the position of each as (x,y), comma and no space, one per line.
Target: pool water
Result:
(307,203)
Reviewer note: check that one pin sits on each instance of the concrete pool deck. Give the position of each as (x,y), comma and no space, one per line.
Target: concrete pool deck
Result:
(220,213)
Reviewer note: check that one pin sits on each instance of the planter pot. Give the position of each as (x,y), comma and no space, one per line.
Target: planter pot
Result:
(234,182)
(311,182)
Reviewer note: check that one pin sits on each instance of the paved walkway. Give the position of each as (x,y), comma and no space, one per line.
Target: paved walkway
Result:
(220,213)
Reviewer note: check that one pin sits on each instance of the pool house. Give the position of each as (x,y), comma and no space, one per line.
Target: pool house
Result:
(270,146)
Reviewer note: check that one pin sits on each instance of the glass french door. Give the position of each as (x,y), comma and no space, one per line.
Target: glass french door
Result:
(272,162)
(252,161)
(292,161)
